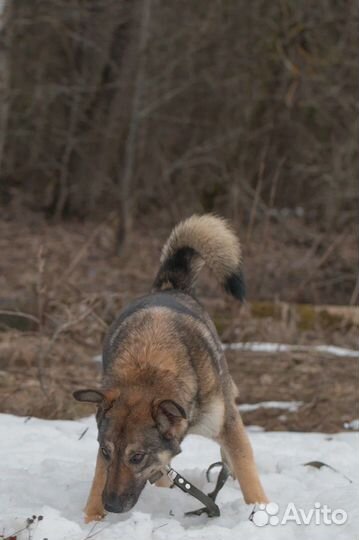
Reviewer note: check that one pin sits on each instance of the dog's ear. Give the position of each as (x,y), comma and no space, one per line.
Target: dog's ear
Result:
(170,418)
(89,396)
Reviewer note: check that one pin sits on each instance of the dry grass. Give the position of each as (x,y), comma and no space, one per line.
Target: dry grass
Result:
(68,286)
(326,386)
(26,392)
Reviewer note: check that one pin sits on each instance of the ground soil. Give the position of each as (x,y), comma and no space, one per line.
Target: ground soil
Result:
(61,285)
(326,385)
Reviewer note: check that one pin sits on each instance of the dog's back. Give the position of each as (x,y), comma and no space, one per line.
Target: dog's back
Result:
(166,338)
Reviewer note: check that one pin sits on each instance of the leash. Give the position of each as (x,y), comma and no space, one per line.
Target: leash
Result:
(210,506)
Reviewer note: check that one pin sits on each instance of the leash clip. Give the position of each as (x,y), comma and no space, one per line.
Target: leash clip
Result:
(210,507)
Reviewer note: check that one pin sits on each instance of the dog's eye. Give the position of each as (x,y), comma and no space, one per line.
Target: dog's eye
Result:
(105,452)
(136,458)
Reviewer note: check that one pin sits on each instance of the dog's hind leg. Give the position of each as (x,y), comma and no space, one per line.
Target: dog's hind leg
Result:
(94,510)
(238,455)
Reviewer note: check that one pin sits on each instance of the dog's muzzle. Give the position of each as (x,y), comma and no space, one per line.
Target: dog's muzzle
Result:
(118,504)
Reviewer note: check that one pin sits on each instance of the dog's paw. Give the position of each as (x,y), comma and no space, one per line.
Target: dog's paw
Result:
(93,516)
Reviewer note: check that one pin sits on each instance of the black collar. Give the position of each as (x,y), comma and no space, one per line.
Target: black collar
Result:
(210,507)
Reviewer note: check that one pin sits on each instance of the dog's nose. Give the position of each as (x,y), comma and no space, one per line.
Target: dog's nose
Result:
(110,507)
(118,504)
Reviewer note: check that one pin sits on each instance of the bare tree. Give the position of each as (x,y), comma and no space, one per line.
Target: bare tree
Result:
(125,180)
(148,106)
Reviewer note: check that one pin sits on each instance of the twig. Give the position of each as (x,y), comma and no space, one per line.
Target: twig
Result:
(95,533)
(6,84)
(272,195)
(45,352)
(70,144)
(15,533)
(41,286)
(29,522)
(321,261)
(355,294)
(88,535)
(130,149)
(160,527)
(81,253)
(83,434)
(257,193)
(20,314)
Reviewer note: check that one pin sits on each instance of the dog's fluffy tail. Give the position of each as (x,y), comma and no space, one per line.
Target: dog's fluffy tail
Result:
(194,242)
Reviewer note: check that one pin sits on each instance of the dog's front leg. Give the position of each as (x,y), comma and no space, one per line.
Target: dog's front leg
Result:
(94,510)
(237,447)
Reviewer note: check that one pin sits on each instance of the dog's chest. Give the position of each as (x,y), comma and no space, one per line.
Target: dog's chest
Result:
(210,420)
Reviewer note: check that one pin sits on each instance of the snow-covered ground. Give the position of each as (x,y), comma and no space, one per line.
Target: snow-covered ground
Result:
(46,469)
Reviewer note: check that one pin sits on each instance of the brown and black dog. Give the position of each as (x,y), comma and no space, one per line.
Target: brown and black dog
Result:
(165,375)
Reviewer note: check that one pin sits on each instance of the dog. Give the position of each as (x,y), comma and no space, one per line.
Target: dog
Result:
(165,375)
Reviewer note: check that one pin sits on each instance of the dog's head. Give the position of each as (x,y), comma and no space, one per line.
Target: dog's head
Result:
(138,437)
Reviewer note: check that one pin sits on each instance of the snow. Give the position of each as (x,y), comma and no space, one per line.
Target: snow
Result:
(354,424)
(291,406)
(46,468)
(284,347)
